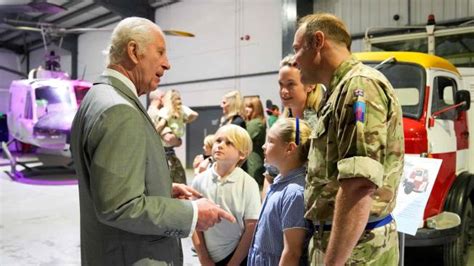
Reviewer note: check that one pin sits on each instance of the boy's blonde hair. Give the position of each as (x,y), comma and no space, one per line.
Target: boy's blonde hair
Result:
(286,131)
(239,137)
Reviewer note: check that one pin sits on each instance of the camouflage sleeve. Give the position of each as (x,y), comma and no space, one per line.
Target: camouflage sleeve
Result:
(361,117)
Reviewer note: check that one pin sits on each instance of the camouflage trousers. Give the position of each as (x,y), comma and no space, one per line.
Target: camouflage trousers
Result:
(376,247)
(177,173)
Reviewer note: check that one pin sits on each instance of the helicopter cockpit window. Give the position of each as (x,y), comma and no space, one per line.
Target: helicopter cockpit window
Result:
(53,95)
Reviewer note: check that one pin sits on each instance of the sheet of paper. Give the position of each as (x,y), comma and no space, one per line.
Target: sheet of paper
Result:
(419,175)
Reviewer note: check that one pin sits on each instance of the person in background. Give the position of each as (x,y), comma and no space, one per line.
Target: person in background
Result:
(281,234)
(273,114)
(237,192)
(130,212)
(257,129)
(156,103)
(356,155)
(299,100)
(203,161)
(171,125)
(232,109)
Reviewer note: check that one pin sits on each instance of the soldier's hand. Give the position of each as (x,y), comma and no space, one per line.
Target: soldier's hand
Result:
(209,214)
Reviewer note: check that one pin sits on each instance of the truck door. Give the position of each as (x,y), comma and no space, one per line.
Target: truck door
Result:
(446,136)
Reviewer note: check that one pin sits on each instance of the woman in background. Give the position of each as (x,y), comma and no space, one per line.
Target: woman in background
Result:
(232,109)
(299,100)
(256,127)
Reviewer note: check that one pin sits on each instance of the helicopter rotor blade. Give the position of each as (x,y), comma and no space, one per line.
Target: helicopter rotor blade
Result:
(178,33)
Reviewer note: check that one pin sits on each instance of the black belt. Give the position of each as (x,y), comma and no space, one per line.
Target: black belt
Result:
(372,225)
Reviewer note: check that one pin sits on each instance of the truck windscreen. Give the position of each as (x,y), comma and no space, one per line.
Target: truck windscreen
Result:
(408,80)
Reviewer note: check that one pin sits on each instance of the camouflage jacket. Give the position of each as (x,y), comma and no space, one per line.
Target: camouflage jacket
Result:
(359,133)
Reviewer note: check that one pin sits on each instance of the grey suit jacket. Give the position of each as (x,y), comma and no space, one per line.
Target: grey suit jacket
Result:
(127,214)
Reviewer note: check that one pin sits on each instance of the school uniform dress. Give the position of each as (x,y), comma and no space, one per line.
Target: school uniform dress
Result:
(282,209)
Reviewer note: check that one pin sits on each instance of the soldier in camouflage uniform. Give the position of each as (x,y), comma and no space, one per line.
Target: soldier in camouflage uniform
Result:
(357,149)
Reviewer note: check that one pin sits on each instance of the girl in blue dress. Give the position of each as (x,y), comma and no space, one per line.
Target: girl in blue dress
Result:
(281,233)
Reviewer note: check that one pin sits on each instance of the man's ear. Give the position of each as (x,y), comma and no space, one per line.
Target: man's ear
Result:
(318,40)
(132,51)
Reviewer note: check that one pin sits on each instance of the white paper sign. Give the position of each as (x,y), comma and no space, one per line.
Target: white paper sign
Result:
(419,175)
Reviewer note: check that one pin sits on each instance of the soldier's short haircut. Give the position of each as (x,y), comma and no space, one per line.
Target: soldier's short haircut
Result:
(332,26)
(286,131)
(239,137)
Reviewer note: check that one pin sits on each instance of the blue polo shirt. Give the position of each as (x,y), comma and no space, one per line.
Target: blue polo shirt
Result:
(282,209)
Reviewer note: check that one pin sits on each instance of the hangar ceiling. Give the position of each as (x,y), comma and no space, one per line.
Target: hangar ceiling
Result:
(19,19)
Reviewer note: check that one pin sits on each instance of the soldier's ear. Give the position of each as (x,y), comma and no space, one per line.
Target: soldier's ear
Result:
(318,40)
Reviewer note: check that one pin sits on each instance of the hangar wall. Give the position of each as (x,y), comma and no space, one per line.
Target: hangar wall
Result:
(12,61)
(218,54)
(361,14)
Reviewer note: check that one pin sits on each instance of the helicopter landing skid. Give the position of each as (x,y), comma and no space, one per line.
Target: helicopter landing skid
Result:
(41,174)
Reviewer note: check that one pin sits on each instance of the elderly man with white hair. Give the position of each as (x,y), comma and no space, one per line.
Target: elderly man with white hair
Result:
(131,213)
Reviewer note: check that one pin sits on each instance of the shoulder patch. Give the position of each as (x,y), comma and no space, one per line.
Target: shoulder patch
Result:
(359,111)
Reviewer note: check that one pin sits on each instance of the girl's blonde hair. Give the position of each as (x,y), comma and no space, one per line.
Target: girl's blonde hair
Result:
(257,108)
(286,131)
(239,137)
(169,101)
(313,98)
(209,140)
(236,105)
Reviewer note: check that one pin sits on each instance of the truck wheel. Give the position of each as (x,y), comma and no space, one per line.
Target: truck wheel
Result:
(409,187)
(456,253)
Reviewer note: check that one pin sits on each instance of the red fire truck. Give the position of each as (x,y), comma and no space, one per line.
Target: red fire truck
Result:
(435,103)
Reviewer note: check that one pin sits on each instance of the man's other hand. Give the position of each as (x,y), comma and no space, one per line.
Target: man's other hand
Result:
(209,214)
(182,191)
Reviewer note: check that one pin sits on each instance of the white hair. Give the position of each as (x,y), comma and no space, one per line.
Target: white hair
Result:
(131,28)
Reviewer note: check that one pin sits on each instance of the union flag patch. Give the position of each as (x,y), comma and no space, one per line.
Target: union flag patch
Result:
(358,92)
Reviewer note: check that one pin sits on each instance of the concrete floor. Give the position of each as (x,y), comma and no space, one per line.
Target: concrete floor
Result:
(39,225)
